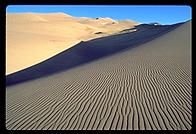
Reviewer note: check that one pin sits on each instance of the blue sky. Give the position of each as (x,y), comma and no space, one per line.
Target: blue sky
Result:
(165,14)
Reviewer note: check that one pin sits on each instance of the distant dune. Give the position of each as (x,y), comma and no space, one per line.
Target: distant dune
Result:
(32,38)
(132,81)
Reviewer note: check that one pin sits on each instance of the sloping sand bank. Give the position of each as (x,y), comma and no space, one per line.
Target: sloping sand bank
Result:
(148,87)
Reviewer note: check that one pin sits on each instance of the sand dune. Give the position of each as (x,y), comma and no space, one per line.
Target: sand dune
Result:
(88,51)
(32,38)
(148,87)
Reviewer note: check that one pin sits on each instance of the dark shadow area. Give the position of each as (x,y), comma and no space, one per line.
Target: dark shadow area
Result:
(85,52)
(99,33)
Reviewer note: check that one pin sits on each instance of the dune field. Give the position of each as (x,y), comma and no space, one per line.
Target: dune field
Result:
(139,80)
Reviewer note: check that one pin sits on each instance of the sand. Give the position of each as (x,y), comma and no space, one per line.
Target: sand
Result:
(145,87)
(84,52)
(32,37)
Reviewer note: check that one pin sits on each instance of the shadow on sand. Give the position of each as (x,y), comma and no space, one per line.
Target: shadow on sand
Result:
(89,51)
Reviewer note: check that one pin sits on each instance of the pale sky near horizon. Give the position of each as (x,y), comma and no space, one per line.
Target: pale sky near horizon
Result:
(163,14)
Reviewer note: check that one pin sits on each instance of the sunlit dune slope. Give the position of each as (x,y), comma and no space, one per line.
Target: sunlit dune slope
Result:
(32,37)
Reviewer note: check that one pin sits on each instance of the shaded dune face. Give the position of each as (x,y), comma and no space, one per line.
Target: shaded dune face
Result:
(85,52)
(148,87)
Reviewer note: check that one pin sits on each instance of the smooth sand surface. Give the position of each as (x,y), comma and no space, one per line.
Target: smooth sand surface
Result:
(32,38)
(148,87)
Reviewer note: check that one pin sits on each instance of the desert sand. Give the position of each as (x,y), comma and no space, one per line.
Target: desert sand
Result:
(84,52)
(136,81)
(32,38)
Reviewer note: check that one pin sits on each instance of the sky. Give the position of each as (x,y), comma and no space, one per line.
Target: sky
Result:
(163,14)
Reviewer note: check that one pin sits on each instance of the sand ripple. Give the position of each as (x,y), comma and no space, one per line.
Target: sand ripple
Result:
(139,89)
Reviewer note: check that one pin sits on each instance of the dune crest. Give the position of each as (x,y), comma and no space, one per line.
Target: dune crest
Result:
(89,51)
